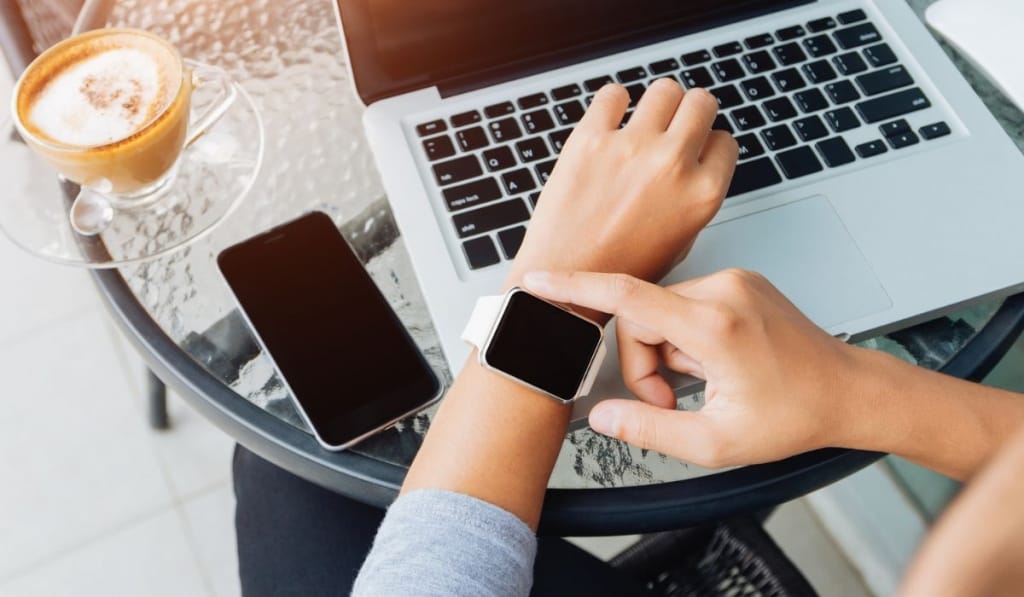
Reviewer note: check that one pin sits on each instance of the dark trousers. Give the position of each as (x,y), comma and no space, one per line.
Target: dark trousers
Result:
(296,538)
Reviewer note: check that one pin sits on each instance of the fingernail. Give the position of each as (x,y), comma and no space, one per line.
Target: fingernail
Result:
(538,281)
(605,420)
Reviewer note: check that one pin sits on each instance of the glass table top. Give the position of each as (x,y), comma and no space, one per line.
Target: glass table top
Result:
(289,56)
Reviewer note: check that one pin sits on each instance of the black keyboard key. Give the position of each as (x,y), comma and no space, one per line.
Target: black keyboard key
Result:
(857,36)
(480,252)
(823,24)
(759,41)
(566,92)
(431,128)
(722,124)
(532,150)
(852,16)
(544,170)
(799,162)
(438,148)
(893,105)
(499,110)
(538,121)
(779,108)
(728,70)
(532,101)
(696,77)
(662,67)
(810,128)
(492,217)
(842,119)
(871,149)
(835,152)
(499,158)
(569,113)
(896,127)
(518,181)
(637,73)
(505,130)
(749,146)
(753,175)
(935,130)
(636,91)
(778,137)
(820,45)
(759,62)
(903,140)
(728,49)
(842,92)
(558,139)
(471,194)
(810,100)
(728,96)
(534,199)
(466,118)
(757,88)
(887,79)
(511,240)
(850,63)
(788,80)
(592,85)
(790,54)
(697,57)
(789,33)
(747,118)
(472,138)
(880,55)
(819,71)
(457,170)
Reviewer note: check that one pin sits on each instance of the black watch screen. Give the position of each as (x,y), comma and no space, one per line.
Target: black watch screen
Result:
(543,345)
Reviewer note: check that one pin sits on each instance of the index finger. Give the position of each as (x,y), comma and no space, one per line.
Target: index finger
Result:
(651,306)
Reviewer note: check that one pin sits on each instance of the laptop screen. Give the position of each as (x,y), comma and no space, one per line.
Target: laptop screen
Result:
(402,45)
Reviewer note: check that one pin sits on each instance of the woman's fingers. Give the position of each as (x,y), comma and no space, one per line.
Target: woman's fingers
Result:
(638,359)
(657,107)
(718,159)
(607,110)
(673,432)
(692,122)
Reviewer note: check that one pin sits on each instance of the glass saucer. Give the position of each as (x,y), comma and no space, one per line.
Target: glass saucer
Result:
(214,174)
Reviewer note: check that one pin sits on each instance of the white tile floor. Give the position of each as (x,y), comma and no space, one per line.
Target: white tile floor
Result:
(92,502)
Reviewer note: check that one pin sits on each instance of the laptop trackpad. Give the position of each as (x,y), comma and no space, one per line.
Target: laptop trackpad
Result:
(806,252)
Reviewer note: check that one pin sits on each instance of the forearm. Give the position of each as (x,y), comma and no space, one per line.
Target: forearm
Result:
(940,422)
(492,439)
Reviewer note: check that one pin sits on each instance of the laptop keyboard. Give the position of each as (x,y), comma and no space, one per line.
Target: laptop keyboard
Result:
(790,97)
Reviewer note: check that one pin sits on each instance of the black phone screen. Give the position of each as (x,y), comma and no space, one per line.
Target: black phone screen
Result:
(343,352)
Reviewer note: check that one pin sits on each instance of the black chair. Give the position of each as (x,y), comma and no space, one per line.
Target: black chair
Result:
(27,27)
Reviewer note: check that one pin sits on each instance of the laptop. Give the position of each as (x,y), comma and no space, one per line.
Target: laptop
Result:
(873,187)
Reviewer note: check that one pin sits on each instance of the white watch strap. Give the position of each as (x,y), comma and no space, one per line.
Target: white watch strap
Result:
(485,315)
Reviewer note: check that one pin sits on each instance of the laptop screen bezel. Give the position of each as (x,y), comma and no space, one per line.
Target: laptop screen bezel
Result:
(373,83)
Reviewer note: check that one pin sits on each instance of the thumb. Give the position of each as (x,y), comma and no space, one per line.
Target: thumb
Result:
(672,432)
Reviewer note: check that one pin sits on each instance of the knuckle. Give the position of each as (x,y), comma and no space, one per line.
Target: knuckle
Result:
(624,286)
(641,432)
(723,320)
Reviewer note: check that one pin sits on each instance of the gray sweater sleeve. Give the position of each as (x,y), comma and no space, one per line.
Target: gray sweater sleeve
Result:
(443,543)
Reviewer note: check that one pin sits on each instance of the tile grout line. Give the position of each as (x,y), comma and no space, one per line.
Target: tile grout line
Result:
(193,548)
(9,342)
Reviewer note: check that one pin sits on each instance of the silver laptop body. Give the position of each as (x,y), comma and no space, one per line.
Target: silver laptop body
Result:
(910,209)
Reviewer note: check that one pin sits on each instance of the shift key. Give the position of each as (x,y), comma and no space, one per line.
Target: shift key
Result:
(893,105)
(472,194)
(492,217)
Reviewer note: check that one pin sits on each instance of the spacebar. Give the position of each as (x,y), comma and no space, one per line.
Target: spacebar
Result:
(753,175)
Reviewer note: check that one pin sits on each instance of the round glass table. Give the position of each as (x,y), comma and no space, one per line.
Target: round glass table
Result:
(290,58)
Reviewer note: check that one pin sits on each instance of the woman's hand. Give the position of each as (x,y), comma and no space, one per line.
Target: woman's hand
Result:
(777,385)
(632,199)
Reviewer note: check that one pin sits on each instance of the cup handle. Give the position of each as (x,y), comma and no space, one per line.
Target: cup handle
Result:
(205,74)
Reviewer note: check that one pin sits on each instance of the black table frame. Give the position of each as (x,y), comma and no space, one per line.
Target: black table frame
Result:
(567,512)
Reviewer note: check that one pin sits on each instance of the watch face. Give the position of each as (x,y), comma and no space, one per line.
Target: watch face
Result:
(543,345)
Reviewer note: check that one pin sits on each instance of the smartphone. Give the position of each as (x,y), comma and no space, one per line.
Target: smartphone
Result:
(342,352)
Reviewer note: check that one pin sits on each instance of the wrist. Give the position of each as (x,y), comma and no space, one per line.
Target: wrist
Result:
(871,400)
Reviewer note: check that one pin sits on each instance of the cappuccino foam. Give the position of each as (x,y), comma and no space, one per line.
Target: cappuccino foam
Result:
(104,96)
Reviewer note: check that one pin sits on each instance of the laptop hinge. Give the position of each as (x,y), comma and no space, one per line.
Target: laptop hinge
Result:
(539,64)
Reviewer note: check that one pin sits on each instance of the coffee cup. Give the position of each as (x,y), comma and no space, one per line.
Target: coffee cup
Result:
(111,111)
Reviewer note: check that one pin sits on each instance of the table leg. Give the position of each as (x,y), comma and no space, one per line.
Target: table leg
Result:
(157,402)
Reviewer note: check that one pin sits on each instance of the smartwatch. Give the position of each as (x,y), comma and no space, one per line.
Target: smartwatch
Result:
(537,344)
